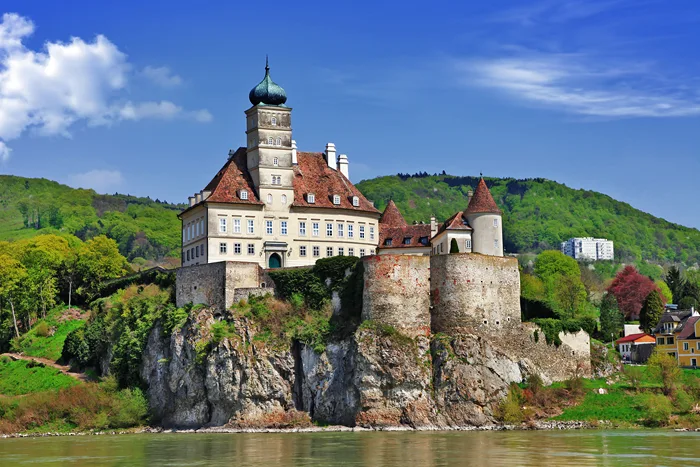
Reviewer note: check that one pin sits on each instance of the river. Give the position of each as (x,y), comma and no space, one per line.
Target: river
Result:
(394,449)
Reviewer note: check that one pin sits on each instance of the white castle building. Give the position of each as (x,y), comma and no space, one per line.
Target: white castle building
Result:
(589,248)
(273,205)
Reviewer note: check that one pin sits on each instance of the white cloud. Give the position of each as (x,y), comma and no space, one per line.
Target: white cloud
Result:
(162,76)
(4,152)
(581,85)
(102,181)
(48,91)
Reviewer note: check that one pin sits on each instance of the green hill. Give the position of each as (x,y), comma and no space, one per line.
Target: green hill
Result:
(142,227)
(539,214)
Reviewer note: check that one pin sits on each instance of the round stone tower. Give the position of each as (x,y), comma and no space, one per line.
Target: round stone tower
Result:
(484,217)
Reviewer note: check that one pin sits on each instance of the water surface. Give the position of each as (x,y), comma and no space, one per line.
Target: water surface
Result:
(401,449)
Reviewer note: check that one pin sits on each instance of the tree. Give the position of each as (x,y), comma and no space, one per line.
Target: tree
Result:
(12,274)
(99,259)
(665,291)
(454,248)
(569,296)
(664,369)
(531,287)
(555,263)
(651,312)
(675,281)
(612,322)
(631,289)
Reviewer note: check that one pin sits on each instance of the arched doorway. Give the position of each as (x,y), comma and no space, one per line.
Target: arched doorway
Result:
(275,261)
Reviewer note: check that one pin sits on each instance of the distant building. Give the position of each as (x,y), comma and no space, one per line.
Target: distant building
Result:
(629,350)
(678,334)
(590,248)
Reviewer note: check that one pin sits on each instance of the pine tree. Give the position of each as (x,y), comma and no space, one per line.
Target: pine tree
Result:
(612,321)
(454,248)
(676,282)
(651,311)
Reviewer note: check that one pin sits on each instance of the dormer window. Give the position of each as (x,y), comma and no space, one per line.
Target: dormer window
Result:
(310,198)
(423,240)
(243,194)
(336,199)
(273,121)
(355,201)
(387,242)
(407,240)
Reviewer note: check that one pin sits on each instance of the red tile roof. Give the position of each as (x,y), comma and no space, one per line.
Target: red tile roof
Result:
(631,338)
(688,331)
(482,201)
(391,217)
(232,178)
(312,175)
(398,234)
(456,222)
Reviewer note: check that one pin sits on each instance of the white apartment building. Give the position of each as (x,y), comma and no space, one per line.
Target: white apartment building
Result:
(594,249)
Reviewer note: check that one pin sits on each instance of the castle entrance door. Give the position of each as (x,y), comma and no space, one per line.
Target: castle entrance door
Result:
(275,261)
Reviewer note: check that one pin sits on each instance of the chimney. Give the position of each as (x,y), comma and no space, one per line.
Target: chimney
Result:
(191,199)
(231,152)
(205,194)
(330,155)
(470,194)
(294,153)
(343,165)
(197,198)
(433,226)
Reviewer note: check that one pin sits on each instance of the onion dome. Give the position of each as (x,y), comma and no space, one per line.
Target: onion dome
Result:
(482,201)
(267,92)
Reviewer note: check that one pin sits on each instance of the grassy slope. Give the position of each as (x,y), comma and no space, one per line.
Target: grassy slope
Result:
(19,377)
(51,346)
(142,227)
(539,214)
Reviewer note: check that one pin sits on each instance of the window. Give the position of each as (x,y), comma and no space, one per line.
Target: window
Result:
(201,226)
(196,250)
(341,230)
(371,252)
(268,227)
(351,252)
(355,201)
(196,229)
(251,226)
(236,226)
(423,241)
(329,230)
(222,224)
(192,253)
(388,241)
(302,251)
(273,121)
(278,142)
(310,198)
(685,346)
(371,233)
(329,251)
(362,252)
(269,140)
(283,227)
(269,198)
(697,345)
(302,228)
(495,243)
(669,340)
(284,199)
(275,161)
(188,255)
(336,199)
(251,248)
(693,362)
(243,194)
(237,248)
(314,227)
(222,248)
(317,252)
(276,179)
(351,234)
(341,251)
(407,240)
(362,231)
(468,244)
(495,222)
(660,341)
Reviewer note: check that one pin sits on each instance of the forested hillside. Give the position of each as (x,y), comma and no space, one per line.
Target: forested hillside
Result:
(538,214)
(143,229)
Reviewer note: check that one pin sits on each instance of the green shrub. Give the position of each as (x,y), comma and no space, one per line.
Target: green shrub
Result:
(656,408)
(634,375)
(510,409)
(219,331)
(296,300)
(683,402)
(42,329)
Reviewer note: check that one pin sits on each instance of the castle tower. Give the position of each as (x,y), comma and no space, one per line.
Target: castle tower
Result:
(484,217)
(269,139)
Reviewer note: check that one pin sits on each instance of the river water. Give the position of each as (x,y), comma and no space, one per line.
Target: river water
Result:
(394,449)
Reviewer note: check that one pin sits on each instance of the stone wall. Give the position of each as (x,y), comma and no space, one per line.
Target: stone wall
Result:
(396,292)
(215,284)
(474,293)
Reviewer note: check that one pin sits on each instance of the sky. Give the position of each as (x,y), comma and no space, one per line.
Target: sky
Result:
(147,98)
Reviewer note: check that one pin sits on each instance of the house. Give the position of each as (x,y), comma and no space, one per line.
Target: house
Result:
(396,236)
(688,342)
(628,347)
(667,330)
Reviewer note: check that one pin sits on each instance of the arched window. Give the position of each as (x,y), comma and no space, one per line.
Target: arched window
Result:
(269,198)
(279,142)
(273,121)
(284,199)
(275,161)
(269,140)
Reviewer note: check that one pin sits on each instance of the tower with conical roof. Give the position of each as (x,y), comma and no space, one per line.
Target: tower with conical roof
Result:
(484,217)
(269,140)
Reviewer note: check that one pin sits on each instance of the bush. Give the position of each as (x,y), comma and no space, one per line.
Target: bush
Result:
(42,329)
(664,369)
(510,409)
(656,408)
(683,402)
(634,375)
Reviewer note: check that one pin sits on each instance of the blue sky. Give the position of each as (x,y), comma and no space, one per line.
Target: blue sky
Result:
(146,98)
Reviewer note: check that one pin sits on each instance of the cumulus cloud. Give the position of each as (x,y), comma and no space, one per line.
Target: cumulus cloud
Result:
(70,82)
(162,76)
(4,152)
(578,84)
(102,181)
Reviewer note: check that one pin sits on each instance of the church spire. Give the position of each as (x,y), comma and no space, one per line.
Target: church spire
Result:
(267,92)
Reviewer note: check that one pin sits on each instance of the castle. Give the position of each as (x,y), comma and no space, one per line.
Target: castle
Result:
(275,206)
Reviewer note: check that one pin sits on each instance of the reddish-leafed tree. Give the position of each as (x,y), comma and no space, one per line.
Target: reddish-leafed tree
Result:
(631,289)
